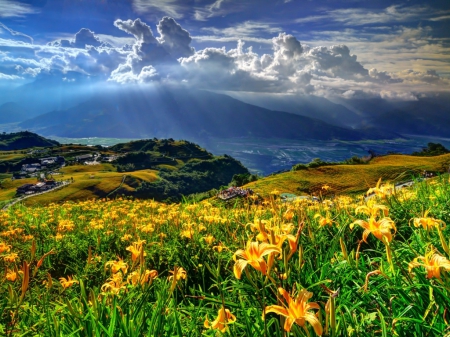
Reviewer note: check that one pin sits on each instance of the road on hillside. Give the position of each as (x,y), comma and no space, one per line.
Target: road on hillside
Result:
(15,201)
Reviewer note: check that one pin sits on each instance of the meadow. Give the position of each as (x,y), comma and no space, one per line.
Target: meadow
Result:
(344,267)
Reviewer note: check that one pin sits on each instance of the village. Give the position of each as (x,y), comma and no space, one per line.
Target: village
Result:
(45,168)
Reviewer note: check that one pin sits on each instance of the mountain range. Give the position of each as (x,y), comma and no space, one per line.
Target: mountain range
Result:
(75,105)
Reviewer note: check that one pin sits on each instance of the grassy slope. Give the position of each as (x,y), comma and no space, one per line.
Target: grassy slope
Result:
(351,178)
(89,182)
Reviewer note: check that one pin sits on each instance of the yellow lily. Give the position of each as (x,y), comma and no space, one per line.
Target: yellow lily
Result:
(297,310)
(428,223)
(432,262)
(224,317)
(117,265)
(381,229)
(253,255)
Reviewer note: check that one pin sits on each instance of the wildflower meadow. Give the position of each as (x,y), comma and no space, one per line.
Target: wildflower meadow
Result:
(373,265)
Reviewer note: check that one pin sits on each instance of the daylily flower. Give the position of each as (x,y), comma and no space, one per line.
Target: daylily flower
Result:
(372,210)
(67,282)
(178,273)
(117,265)
(224,317)
(381,229)
(12,257)
(324,220)
(209,239)
(135,250)
(428,223)
(253,255)
(432,262)
(381,191)
(297,310)
(114,284)
(11,275)
(4,247)
(135,277)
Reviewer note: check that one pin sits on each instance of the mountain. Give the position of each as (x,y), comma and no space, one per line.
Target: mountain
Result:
(304,105)
(164,112)
(427,116)
(23,140)
(11,112)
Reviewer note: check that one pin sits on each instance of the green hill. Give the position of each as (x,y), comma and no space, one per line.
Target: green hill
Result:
(23,140)
(161,169)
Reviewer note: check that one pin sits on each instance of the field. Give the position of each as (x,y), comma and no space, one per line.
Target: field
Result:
(346,267)
(351,178)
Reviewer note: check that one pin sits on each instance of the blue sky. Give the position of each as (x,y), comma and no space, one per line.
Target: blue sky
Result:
(392,49)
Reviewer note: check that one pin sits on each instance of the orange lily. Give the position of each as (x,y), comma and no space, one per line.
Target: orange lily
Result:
(224,317)
(298,310)
(432,262)
(253,255)
(67,282)
(381,229)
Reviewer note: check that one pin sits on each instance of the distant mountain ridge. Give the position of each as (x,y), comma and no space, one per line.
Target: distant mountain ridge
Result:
(165,112)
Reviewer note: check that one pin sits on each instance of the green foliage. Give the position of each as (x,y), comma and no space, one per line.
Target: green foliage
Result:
(243,179)
(193,177)
(432,149)
(317,162)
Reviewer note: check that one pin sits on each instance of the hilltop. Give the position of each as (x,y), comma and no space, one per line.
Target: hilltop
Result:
(24,140)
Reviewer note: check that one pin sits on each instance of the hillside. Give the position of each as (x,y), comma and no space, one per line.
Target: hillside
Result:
(344,179)
(24,140)
(164,169)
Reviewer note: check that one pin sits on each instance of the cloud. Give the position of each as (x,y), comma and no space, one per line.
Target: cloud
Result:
(9,77)
(174,39)
(16,34)
(169,7)
(85,37)
(10,8)
(290,66)
(398,96)
(365,16)
(216,8)
(247,30)
(382,76)
(148,51)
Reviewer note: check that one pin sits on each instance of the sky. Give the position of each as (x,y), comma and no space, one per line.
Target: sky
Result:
(396,50)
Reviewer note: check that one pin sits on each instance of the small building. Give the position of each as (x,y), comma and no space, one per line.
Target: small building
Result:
(25,188)
(84,157)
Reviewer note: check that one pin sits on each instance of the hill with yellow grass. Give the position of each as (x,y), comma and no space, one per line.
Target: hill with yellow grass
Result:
(349,179)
